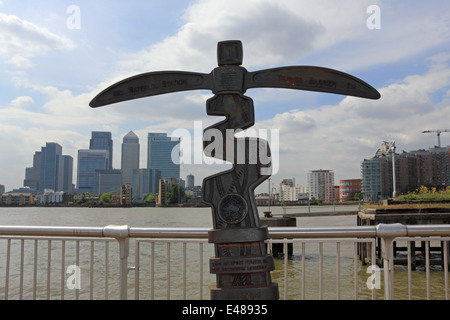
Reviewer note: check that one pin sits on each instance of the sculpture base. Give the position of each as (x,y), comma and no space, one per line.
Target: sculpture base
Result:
(256,293)
(242,265)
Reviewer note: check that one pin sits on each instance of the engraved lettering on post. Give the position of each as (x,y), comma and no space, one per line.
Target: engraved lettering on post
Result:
(319,83)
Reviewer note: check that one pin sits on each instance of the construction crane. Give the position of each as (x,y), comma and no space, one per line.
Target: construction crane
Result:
(438,134)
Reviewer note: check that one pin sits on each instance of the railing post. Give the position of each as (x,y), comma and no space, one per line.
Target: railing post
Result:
(387,233)
(121,234)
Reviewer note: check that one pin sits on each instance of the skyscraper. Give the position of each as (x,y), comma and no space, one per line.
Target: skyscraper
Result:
(67,174)
(32,178)
(51,167)
(163,154)
(130,156)
(51,170)
(101,140)
(89,161)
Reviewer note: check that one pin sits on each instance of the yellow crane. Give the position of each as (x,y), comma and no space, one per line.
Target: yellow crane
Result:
(438,134)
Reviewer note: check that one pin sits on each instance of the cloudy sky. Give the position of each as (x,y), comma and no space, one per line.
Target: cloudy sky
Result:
(55,56)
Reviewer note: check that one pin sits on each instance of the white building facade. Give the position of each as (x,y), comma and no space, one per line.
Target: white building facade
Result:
(321,185)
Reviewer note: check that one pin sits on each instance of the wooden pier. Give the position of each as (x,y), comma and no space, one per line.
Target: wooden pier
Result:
(422,216)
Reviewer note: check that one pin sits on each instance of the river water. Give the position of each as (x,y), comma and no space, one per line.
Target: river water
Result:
(155,286)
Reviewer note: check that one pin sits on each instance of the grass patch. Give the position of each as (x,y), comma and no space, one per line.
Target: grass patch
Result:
(421,198)
(408,206)
(426,194)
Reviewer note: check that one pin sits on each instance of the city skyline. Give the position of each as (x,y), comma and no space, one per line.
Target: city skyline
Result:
(53,62)
(66,161)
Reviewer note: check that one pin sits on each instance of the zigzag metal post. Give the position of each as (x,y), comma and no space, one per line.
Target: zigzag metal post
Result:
(241,263)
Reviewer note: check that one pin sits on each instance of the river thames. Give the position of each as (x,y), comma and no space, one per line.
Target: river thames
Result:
(188,218)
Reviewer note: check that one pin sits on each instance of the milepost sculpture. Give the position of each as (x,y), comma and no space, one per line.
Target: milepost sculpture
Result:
(241,263)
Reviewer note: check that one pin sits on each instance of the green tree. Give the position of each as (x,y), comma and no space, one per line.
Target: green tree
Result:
(150,197)
(175,194)
(106,197)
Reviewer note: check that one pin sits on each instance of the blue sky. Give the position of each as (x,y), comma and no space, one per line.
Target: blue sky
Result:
(49,73)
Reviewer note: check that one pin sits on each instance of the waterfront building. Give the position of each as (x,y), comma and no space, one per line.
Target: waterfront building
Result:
(321,185)
(164,186)
(101,140)
(430,168)
(440,164)
(50,197)
(126,195)
(108,180)
(52,167)
(190,181)
(130,156)
(285,187)
(88,162)
(145,181)
(16,199)
(32,181)
(196,193)
(51,170)
(348,189)
(289,192)
(376,178)
(29,181)
(68,174)
(163,154)
(2,189)
(423,167)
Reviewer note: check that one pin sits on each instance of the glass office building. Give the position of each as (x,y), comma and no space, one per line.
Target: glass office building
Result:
(101,140)
(130,156)
(164,154)
(88,162)
(145,181)
(51,167)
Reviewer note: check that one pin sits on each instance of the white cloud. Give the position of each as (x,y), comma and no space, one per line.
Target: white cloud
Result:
(21,40)
(272,32)
(22,101)
(339,137)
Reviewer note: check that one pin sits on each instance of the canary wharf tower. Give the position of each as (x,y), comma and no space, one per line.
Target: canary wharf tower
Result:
(160,150)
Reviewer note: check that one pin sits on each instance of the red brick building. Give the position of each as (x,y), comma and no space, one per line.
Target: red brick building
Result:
(348,189)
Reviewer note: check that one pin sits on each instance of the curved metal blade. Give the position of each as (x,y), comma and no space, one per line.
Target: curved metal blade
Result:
(311,79)
(150,84)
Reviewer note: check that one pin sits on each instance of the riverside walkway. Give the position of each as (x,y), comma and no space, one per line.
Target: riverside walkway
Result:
(318,211)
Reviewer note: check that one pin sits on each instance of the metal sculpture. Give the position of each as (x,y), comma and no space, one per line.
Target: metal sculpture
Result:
(241,263)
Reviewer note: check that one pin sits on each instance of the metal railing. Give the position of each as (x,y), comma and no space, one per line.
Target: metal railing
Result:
(45,262)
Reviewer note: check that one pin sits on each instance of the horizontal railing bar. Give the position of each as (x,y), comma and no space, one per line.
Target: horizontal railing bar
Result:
(172,240)
(202,233)
(428,230)
(326,232)
(184,233)
(57,238)
(51,231)
(318,240)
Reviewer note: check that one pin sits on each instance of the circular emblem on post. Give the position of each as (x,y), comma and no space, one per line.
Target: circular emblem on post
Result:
(232,208)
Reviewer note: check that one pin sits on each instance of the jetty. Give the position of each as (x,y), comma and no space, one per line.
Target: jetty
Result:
(408,214)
